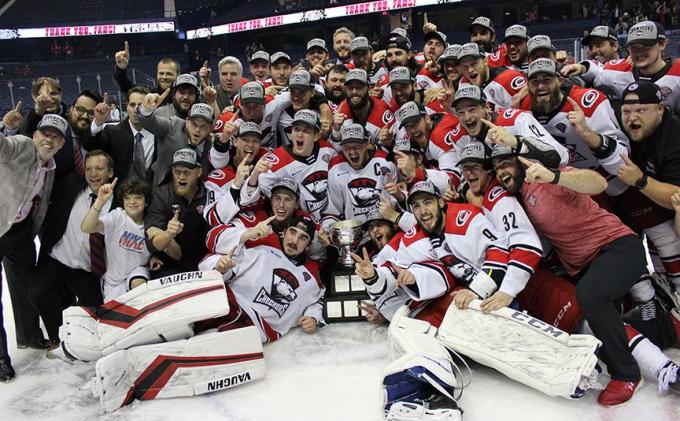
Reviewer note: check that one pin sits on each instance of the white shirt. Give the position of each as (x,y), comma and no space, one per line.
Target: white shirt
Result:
(125,245)
(38,180)
(73,249)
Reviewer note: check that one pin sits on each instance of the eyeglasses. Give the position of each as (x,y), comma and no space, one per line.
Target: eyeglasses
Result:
(84,111)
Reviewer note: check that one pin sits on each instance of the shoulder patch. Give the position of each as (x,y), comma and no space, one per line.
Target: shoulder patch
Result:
(458,218)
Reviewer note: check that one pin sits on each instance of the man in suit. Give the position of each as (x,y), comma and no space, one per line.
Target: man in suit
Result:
(174,133)
(27,168)
(132,147)
(70,259)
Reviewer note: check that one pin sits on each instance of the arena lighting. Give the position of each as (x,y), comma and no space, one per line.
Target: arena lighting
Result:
(313,15)
(88,30)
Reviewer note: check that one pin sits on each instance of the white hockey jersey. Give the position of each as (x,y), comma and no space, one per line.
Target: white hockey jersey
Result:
(355,193)
(311,174)
(503,84)
(272,289)
(379,116)
(601,119)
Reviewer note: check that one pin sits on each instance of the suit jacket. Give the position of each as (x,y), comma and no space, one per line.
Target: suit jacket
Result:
(59,210)
(18,160)
(170,136)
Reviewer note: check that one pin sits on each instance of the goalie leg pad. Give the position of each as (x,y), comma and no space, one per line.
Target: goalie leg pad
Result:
(523,348)
(205,363)
(421,368)
(161,310)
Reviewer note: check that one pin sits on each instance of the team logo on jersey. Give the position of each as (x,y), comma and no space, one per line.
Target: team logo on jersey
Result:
(217,175)
(387,117)
(463,217)
(495,193)
(268,119)
(561,127)
(217,127)
(248,216)
(410,233)
(518,82)
(272,159)
(495,56)
(316,184)
(364,194)
(326,157)
(282,293)
(589,99)
(617,61)
(509,113)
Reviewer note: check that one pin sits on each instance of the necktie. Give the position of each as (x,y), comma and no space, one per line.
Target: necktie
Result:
(139,161)
(78,157)
(97,260)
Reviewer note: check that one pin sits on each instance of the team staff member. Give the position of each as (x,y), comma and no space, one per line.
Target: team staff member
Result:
(27,168)
(174,226)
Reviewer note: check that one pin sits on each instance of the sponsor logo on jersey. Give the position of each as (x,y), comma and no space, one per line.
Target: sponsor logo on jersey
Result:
(589,99)
(518,82)
(229,381)
(282,292)
(463,217)
(316,184)
(326,157)
(180,277)
(574,154)
(665,92)
(537,324)
(532,200)
(131,242)
(364,194)
(561,127)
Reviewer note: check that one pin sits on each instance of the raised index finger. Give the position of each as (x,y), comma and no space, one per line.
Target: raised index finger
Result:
(127,48)
(269,220)
(164,95)
(525,161)
(113,183)
(105,100)
(18,107)
(574,104)
(488,123)
(366,256)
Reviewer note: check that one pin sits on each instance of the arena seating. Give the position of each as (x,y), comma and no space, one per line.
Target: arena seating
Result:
(51,12)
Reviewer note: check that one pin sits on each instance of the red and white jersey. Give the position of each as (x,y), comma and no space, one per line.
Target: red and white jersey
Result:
(503,84)
(221,203)
(499,58)
(387,301)
(379,76)
(519,123)
(524,247)
(615,75)
(273,106)
(274,290)
(311,174)
(425,79)
(419,57)
(601,119)
(379,116)
(355,193)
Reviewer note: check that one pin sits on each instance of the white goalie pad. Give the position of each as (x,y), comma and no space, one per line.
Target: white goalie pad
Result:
(161,310)
(523,348)
(206,363)
(421,367)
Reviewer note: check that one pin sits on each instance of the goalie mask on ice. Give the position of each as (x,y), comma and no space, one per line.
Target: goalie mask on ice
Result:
(125,337)
(523,348)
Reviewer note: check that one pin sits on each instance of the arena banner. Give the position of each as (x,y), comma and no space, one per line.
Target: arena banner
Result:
(88,30)
(312,15)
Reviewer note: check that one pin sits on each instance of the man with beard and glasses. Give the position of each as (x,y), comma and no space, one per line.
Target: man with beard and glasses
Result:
(306,161)
(173,133)
(356,178)
(259,67)
(335,86)
(174,225)
(342,40)
(603,44)
(71,158)
(360,108)
(184,94)
(514,128)
(500,84)
(646,46)
(581,119)
(362,57)
(224,184)
(271,281)
(608,259)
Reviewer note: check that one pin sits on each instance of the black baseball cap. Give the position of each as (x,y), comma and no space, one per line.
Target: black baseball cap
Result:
(304,223)
(648,93)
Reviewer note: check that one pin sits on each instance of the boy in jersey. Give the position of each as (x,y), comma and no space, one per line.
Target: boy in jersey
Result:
(270,281)
(123,229)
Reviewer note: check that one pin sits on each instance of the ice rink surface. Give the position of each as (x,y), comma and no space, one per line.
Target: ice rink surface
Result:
(332,375)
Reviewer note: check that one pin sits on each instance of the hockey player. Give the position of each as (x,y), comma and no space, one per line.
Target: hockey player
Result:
(335,86)
(646,45)
(580,119)
(304,94)
(499,84)
(362,58)
(356,178)
(270,281)
(359,107)
(482,33)
(259,66)
(603,252)
(305,161)
(603,44)
(280,68)
(515,42)
(224,185)
(513,128)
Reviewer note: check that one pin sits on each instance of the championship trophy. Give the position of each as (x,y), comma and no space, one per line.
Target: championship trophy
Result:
(347,289)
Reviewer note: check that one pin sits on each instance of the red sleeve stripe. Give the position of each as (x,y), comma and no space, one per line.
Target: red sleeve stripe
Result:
(214,235)
(496,255)
(214,217)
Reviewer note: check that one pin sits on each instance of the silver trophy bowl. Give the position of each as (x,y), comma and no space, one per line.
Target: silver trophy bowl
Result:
(346,237)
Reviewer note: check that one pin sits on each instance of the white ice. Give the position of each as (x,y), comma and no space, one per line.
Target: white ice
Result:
(332,375)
